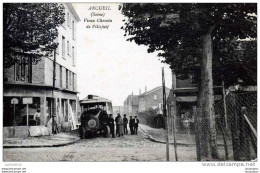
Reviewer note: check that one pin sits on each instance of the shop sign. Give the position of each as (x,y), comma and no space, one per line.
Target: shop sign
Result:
(27,100)
(14,101)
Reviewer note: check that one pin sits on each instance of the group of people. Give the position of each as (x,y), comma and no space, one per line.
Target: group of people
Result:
(121,125)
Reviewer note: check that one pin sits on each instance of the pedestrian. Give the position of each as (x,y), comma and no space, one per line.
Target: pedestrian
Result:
(131,125)
(136,122)
(125,122)
(117,127)
(111,125)
(120,126)
(37,117)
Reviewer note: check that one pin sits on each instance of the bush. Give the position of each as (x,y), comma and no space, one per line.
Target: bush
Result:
(151,118)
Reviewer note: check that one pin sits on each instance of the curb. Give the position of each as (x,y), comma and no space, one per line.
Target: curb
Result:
(41,146)
(162,142)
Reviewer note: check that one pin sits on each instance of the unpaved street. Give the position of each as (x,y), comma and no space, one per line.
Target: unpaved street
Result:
(127,148)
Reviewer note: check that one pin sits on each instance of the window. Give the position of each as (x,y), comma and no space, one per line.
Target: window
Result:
(68,18)
(73,56)
(68,47)
(63,47)
(155,97)
(67,78)
(29,72)
(73,29)
(73,85)
(61,76)
(23,70)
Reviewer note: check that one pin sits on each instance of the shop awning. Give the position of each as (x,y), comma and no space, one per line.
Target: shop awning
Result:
(193,98)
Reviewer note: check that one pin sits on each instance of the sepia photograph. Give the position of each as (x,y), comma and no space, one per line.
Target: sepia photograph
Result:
(130,82)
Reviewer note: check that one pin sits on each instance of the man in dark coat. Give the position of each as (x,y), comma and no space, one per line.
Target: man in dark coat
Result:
(111,125)
(117,126)
(131,125)
(125,122)
(136,122)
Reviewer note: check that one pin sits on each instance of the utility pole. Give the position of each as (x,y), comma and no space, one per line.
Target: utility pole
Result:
(53,88)
(166,117)
(174,113)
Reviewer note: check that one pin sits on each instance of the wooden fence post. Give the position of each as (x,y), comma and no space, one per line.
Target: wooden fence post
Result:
(244,136)
(197,112)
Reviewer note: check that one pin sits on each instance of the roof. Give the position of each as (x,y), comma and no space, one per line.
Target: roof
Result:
(153,90)
(73,11)
(94,99)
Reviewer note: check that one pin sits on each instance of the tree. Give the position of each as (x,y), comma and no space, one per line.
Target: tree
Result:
(235,60)
(185,34)
(29,30)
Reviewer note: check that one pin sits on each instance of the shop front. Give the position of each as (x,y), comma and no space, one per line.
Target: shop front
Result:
(26,108)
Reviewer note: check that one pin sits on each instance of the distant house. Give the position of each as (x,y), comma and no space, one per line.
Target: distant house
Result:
(152,99)
(118,109)
(131,105)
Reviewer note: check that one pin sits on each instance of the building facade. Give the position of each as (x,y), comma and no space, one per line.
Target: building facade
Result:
(35,81)
(182,102)
(152,99)
(131,105)
(118,110)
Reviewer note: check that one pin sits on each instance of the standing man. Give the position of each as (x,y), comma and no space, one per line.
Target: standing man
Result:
(125,122)
(136,122)
(120,126)
(37,117)
(117,127)
(131,125)
(111,125)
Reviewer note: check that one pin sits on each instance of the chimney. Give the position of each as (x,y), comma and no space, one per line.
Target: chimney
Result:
(145,89)
(140,91)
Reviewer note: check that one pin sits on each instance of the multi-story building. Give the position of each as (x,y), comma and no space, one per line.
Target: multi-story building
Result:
(35,81)
(131,105)
(152,99)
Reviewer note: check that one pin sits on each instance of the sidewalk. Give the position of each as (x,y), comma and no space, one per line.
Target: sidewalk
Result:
(158,135)
(55,140)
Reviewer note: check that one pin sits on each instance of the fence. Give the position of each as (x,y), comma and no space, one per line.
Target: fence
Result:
(239,121)
(235,128)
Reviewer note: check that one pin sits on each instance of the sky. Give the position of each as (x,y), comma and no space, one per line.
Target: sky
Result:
(107,64)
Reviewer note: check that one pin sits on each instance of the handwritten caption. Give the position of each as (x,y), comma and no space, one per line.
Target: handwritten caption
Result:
(98,18)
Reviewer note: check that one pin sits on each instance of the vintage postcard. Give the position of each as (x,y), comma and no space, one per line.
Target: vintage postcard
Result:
(130,82)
